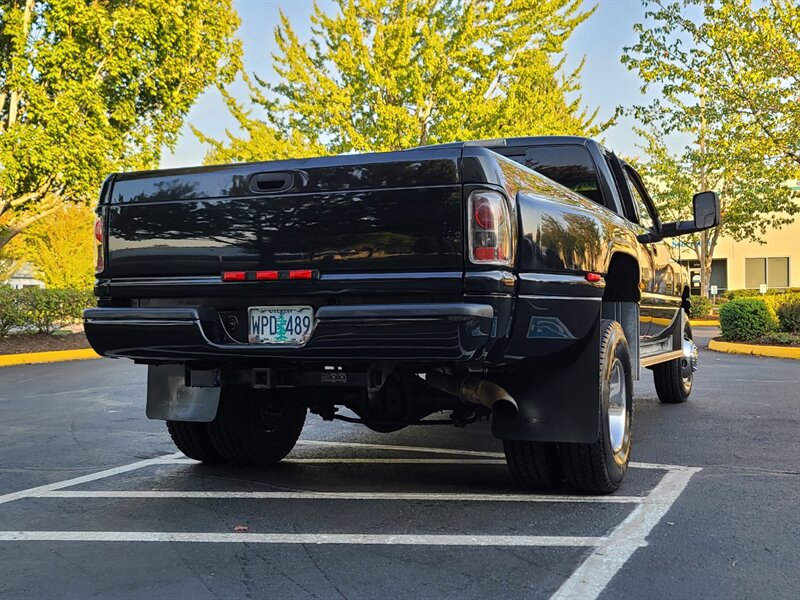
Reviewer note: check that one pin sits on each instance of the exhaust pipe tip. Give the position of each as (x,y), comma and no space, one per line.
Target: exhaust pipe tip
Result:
(506,409)
(475,391)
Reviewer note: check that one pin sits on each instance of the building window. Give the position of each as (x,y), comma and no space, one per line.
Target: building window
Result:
(755,272)
(719,273)
(778,272)
(774,272)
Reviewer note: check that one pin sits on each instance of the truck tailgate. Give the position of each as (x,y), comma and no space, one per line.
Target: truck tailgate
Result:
(391,212)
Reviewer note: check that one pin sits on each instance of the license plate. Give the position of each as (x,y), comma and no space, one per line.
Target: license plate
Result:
(280,324)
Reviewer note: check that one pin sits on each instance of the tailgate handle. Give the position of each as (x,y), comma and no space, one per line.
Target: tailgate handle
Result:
(263,183)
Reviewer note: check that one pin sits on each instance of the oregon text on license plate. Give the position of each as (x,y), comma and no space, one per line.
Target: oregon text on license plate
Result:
(280,324)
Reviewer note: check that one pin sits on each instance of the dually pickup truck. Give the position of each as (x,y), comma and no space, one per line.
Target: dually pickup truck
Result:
(522,280)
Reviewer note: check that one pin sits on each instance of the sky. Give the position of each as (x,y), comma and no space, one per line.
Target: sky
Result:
(606,83)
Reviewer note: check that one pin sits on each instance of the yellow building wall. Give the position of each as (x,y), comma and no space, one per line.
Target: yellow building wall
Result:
(783,242)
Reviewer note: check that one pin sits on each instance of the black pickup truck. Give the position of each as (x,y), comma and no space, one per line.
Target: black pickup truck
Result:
(524,280)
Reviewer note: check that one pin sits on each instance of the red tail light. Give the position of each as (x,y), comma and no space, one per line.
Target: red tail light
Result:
(99,237)
(484,217)
(489,228)
(269,275)
(234,276)
(594,277)
(301,274)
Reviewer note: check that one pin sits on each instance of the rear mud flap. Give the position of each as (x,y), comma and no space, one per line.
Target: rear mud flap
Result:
(168,398)
(558,397)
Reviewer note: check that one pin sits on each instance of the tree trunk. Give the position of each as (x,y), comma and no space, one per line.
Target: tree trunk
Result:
(705,276)
(705,253)
(14,96)
(17,226)
(705,265)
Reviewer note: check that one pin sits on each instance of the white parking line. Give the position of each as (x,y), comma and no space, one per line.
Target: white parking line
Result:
(298,538)
(397,461)
(497,455)
(587,582)
(595,573)
(419,461)
(402,448)
(86,478)
(313,495)
(661,467)
(361,460)
(179,458)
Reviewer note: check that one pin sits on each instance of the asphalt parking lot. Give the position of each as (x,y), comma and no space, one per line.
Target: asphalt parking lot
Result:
(94,502)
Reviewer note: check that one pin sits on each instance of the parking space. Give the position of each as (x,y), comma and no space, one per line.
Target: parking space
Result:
(95,503)
(349,494)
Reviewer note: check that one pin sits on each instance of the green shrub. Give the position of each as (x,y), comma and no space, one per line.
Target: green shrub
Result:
(780,338)
(61,249)
(700,307)
(76,301)
(43,308)
(789,316)
(11,313)
(736,294)
(745,319)
(48,310)
(775,301)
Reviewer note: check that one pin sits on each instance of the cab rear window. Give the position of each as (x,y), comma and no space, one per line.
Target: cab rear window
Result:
(571,166)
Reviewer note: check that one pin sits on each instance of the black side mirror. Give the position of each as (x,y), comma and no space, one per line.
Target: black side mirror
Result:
(705,207)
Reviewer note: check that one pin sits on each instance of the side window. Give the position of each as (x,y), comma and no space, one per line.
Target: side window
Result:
(642,214)
(618,175)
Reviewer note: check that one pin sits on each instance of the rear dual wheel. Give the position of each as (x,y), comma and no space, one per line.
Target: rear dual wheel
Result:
(194,441)
(534,465)
(252,427)
(673,379)
(598,467)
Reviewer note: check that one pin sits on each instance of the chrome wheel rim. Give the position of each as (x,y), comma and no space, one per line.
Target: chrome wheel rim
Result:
(617,405)
(688,361)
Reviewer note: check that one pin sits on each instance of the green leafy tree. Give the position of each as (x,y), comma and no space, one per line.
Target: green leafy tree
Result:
(8,266)
(726,76)
(389,74)
(61,248)
(87,88)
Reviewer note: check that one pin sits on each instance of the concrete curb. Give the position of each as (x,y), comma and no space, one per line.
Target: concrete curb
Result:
(32,358)
(703,323)
(754,350)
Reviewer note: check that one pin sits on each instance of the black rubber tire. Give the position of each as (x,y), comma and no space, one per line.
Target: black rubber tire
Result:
(194,441)
(533,465)
(668,377)
(596,468)
(256,427)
